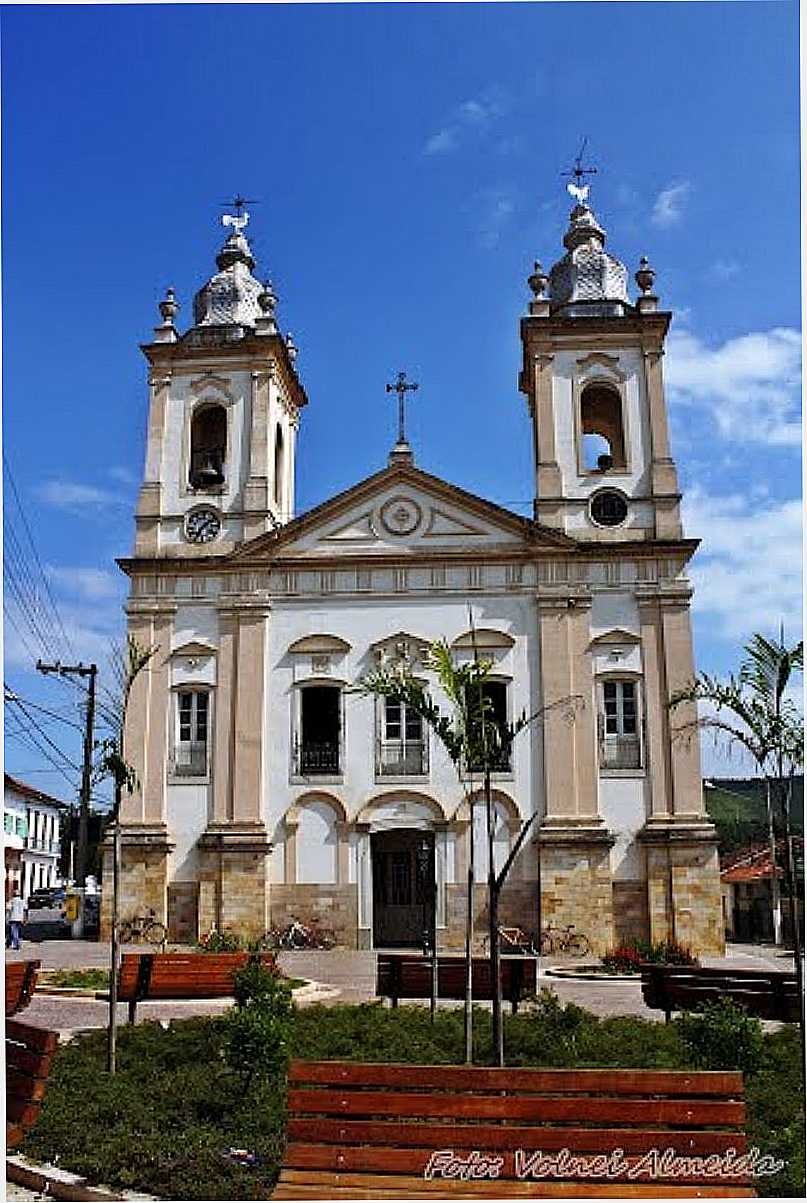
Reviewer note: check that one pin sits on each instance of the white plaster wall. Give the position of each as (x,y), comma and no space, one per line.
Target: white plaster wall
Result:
(316,844)
(501,839)
(187,808)
(362,622)
(613,609)
(624,806)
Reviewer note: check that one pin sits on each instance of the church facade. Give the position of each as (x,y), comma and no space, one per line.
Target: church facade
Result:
(270,787)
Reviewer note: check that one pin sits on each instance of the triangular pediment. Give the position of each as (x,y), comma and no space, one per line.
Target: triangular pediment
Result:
(615,638)
(195,649)
(401,511)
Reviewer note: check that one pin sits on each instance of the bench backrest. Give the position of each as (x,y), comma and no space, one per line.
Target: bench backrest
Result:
(403,976)
(390,1119)
(764,993)
(29,1052)
(181,975)
(20,984)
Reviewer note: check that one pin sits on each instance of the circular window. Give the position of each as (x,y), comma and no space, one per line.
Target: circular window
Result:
(608,508)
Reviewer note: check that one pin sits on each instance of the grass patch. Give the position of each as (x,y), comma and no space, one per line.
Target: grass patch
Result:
(77,979)
(165,1122)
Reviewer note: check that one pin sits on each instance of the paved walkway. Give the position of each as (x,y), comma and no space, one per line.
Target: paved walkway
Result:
(352,973)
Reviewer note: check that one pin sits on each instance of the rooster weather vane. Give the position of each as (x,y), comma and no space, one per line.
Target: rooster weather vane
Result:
(578,189)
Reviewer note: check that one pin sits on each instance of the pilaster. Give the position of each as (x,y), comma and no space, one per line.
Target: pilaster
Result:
(663,475)
(656,693)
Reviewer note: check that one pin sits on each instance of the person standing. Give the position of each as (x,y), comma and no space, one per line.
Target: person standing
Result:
(16,911)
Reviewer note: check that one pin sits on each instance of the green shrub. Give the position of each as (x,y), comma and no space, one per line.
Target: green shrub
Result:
(259,980)
(775,1101)
(77,979)
(665,952)
(255,1034)
(722,1035)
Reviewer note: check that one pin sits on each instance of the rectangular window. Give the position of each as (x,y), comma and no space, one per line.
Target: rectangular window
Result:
(402,745)
(190,757)
(317,744)
(493,731)
(620,743)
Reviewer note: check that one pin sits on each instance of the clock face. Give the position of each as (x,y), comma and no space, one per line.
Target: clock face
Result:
(202,526)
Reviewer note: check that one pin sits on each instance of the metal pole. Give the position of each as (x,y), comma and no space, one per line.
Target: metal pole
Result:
(86,774)
(469,943)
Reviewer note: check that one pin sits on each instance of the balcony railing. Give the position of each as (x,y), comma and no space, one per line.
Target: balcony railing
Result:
(34,844)
(621,752)
(189,760)
(396,759)
(317,759)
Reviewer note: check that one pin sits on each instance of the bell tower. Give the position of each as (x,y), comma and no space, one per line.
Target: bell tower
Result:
(591,371)
(224,409)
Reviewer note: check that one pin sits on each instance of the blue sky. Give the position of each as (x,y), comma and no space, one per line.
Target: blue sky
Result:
(407,161)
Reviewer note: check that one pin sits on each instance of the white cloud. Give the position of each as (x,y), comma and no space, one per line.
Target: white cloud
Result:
(722,270)
(749,384)
(443,141)
(91,583)
(473,116)
(68,495)
(669,207)
(747,573)
(124,475)
(494,207)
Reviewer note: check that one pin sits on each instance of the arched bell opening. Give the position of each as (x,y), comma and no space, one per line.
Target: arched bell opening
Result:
(279,467)
(208,447)
(602,431)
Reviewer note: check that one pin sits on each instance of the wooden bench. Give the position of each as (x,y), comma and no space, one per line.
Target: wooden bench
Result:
(372,1131)
(768,994)
(20,984)
(145,975)
(405,976)
(29,1052)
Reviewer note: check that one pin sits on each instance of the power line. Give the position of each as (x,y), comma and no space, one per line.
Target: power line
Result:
(27,530)
(14,700)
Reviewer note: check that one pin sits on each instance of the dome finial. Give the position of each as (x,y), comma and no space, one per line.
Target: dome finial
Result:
(578,189)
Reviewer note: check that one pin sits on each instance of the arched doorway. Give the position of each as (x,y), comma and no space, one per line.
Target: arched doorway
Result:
(403,887)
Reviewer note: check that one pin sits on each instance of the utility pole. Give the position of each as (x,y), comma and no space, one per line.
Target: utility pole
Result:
(90,671)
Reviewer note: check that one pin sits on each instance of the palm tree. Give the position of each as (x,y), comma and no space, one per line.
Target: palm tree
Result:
(472,737)
(753,709)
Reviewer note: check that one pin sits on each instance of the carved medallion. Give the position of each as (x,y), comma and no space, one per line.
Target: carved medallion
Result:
(400,515)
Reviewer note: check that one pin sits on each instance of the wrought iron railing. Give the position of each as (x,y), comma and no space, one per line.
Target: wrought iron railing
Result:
(396,759)
(621,752)
(317,759)
(189,760)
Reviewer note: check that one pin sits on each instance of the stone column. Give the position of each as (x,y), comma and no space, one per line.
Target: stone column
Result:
(656,725)
(687,788)
(247,787)
(585,723)
(549,486)
(256,492)
(364,881)
(156,766)
(235,848)
(558,730)
(664,478)
(224,714)
(342,852)
(149,503)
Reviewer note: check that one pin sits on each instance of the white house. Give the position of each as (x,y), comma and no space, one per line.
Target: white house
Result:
(32,823)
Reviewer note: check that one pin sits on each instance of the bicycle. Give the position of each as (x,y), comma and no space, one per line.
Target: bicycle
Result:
(142,929)
(564,939)
(296,937)
(513,939)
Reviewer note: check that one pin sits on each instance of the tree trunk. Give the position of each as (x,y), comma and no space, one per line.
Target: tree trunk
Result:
(776,893)
(790,877)
(469,946)
(114,964)
(497,1034)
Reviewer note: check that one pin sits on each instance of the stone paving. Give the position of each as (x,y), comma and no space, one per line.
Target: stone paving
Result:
(351,972)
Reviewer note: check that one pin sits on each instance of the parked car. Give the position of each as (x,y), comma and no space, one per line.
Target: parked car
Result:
(47,898)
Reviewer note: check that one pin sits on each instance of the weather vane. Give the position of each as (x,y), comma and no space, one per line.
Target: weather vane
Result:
(579,190)
(240,219)
(401,387)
